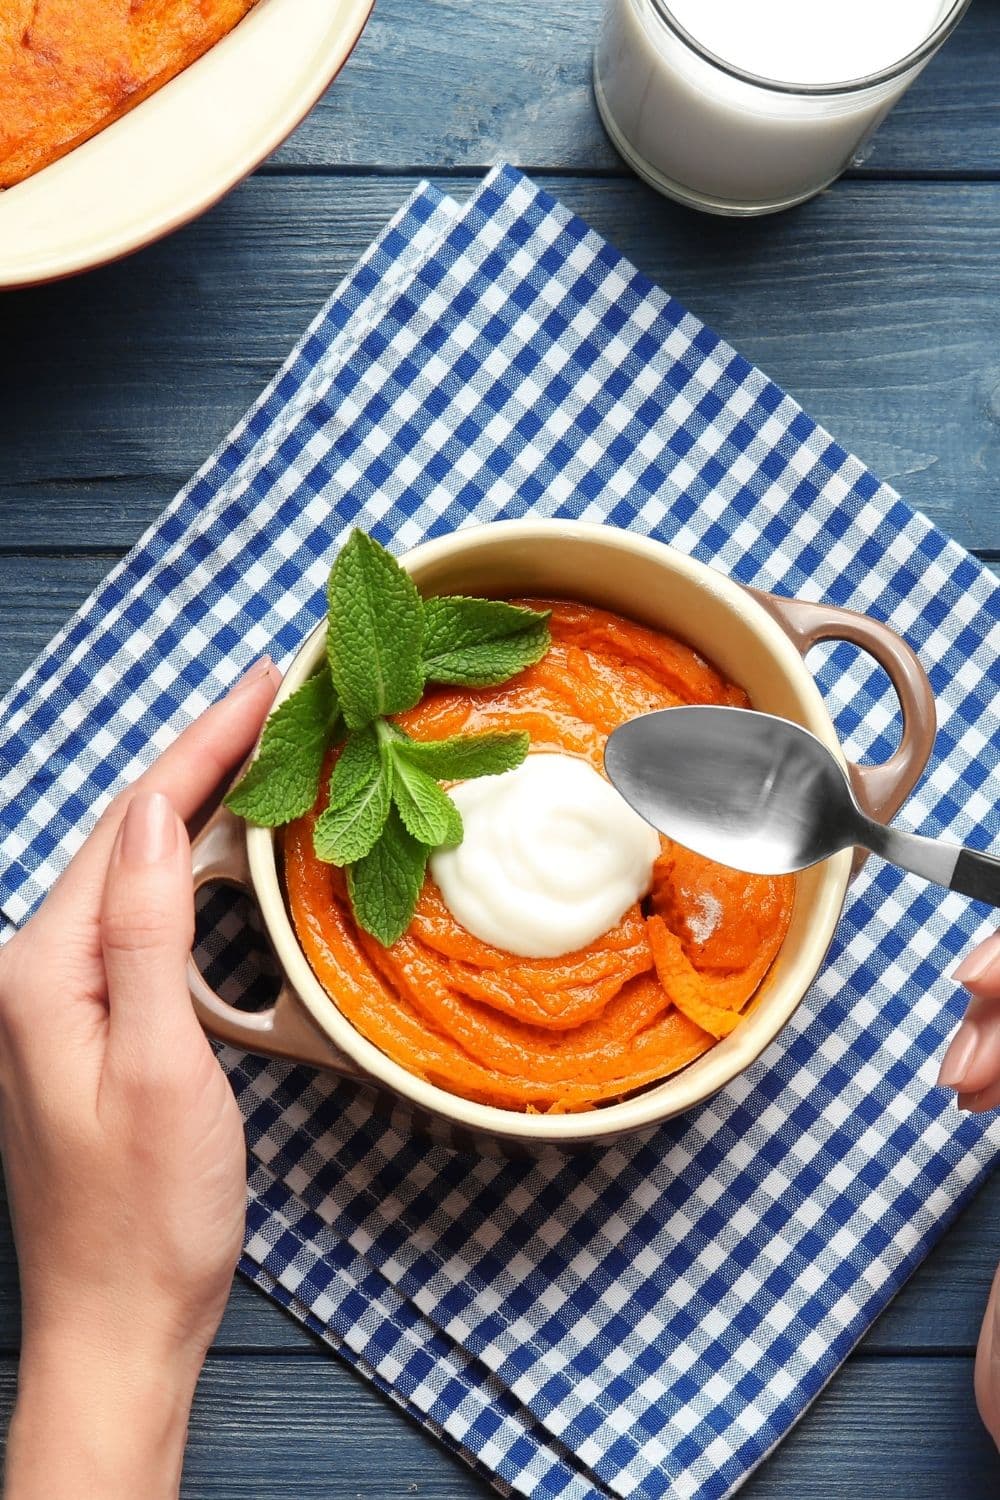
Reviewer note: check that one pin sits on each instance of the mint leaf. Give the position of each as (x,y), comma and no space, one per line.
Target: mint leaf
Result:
(349,827)
(282,782)
(455,832)
(385,885)
(375,633)
(464,756)
(427,812)
(480,642)
(358,764)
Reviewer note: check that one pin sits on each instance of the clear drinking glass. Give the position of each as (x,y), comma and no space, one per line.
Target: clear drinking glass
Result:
(713,136)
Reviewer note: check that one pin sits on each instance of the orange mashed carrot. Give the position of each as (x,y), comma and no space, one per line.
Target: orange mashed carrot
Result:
(555,1034)
(68,68)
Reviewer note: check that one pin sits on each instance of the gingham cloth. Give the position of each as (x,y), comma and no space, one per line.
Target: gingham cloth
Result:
(645,1320)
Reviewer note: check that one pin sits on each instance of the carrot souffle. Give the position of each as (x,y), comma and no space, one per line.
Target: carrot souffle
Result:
(68,68)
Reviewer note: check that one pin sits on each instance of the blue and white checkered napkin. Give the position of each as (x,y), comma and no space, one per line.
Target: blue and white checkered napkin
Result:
(650,1318)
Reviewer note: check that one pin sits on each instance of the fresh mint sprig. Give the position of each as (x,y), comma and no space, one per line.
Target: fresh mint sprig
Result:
(385,810)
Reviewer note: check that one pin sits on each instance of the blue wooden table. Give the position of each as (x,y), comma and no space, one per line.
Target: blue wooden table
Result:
(878,305)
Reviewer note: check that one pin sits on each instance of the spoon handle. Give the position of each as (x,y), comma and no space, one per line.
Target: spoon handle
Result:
(963,870)
(977,875)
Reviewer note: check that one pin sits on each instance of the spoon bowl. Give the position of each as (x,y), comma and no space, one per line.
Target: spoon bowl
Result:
(742,788)
(762,794)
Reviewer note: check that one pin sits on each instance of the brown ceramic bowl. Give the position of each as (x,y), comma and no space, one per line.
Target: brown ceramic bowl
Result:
(756,640)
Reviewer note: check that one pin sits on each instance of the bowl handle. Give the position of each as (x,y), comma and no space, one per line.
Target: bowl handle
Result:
(880,790)
(219,854)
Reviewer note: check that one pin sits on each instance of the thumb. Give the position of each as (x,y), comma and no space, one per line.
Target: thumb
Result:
(147,928)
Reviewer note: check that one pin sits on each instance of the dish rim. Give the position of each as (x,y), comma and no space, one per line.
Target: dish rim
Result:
(691,1086)
(299,98)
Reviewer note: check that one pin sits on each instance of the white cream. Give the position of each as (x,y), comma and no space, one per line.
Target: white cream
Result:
(704,920)
(551,859)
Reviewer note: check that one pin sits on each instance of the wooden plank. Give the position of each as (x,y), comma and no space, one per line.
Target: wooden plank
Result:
(512,82)
(264,1428)
(941,1307)
(886,1430)
(36,597)
(274,1428)
(878,308)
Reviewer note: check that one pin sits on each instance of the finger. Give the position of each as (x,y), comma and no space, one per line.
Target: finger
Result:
(187,773)
(981,1101)
(972,1061)
(980,971)
(147,928)
(987,1375)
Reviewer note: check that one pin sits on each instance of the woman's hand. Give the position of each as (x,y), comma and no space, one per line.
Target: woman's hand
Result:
(971,1066)
(122,1144)
(988,1364)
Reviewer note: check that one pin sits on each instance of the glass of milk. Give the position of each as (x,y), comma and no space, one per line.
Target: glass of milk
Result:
(749,106)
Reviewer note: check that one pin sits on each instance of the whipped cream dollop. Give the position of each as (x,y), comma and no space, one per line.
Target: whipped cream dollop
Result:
(552,857)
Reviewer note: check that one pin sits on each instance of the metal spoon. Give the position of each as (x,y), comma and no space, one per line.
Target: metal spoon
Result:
(762,794)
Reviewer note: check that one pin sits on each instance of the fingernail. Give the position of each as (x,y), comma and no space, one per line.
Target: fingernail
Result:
(253,675)
(149,830)
(958,1056)
(978,963)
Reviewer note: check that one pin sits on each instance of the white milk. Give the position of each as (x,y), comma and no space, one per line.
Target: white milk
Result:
(701,135)
(800,41)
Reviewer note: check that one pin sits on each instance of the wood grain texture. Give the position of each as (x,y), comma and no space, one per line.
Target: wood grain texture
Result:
(512,82)
(896,1429)
(878,309)
(266,1428)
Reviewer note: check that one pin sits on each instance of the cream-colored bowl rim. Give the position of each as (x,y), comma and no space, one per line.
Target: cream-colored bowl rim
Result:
(181,149)
(701,1079)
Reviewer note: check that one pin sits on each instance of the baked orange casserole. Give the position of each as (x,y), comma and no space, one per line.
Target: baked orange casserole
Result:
(68,68)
